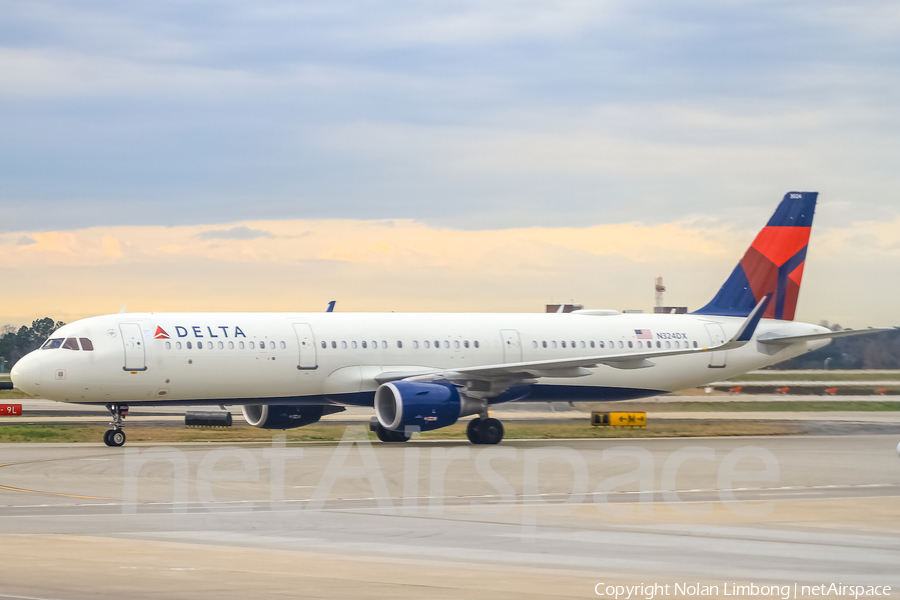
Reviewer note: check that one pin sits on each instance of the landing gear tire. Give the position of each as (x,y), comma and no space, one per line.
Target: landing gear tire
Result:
(473,432)
(490,431)
(386,435)
(114,438)
(484,431)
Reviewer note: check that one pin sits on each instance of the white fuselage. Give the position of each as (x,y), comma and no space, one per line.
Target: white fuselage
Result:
(316,358)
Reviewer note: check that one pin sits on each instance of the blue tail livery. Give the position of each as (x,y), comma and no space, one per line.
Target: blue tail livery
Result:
(772,266)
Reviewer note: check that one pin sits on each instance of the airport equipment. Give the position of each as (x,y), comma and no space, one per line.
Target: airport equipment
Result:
(11,410)
(6,385)
(203,418)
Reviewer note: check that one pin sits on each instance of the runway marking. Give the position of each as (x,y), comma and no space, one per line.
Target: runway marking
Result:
(24,491)
(25,597)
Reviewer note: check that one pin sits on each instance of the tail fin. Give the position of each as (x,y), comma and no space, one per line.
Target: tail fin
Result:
(773,265)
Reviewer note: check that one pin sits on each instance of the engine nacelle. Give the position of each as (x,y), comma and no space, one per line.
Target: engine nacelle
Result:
(426,406)
(284,417)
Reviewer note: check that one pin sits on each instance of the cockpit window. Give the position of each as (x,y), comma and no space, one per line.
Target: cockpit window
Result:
(70,344)
(86,344)
(52,344)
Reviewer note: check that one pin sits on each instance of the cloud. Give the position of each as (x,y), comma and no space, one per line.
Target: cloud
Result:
(241,232)
(405,265)
(25,241)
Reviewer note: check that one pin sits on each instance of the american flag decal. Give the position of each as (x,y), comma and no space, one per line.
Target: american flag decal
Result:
(643,334)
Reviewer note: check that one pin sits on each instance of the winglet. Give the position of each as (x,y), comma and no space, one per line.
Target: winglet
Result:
(745,333)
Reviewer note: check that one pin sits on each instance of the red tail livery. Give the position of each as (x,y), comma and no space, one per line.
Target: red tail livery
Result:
(772,266)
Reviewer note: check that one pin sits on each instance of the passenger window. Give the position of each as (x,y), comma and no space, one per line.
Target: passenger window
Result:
(534,344)
(573,344)
(52,344)
(476,343)
(353,345)
(333,345)
(582,343)
(553,344)
(602,345)
(399,344)
(427,344)
(262,345)
(70,344)
(240,345)
(695,344)
(221,345)
(86,344)
(659,344)
(630,345)
(456,344)
(189,346)
(324,345)
(563,343)
(466,344)
(621,345)
(178,345)
(677,344)
(364,344)
(168,345)
(416,344)
(231,345)
(592,344)
(668,344)
(544,344)
(383,344)
(374,345)
(437,344)
(446,344)
(252,346)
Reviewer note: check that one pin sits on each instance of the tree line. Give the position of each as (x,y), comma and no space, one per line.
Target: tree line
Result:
(16,343)
(874,351)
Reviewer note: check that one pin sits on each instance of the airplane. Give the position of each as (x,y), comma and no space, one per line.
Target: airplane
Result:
(422,371)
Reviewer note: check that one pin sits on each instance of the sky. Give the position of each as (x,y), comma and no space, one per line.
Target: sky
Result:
(440,156)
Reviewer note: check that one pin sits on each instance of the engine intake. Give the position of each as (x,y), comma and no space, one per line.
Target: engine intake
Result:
(285,417)
(426,406)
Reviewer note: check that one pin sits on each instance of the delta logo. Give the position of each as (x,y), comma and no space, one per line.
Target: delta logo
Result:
(197,332)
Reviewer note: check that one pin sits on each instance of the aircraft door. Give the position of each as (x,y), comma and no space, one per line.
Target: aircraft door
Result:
(512,349)
(307,344)
(716,338)
(135,353)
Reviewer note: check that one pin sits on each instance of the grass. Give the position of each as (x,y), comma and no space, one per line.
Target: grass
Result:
(738,406)
(13,395)
(26,432)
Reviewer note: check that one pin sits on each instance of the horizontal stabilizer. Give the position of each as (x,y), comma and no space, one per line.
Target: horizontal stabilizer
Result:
(784,340)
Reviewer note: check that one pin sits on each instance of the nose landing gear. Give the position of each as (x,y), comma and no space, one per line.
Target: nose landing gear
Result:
(115,437)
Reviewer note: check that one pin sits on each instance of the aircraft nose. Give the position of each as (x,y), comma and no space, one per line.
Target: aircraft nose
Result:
(26,374)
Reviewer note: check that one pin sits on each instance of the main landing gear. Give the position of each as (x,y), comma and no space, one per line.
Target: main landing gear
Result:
(386,435)
(115,437)
(484,431)
(479,431)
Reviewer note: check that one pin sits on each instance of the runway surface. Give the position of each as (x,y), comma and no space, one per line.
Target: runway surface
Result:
(535,519)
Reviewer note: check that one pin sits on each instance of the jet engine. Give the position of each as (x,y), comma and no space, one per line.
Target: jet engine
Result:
(285,417)
(425,406)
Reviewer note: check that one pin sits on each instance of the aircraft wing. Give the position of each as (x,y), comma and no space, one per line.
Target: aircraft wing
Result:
(575,367)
